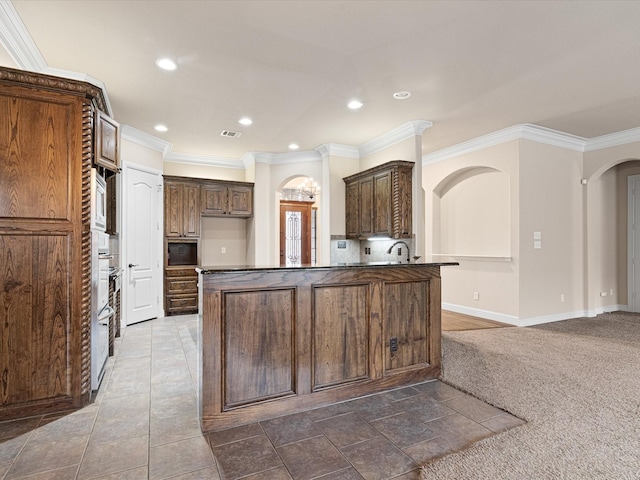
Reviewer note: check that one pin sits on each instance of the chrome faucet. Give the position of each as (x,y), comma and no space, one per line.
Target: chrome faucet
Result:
(406,245)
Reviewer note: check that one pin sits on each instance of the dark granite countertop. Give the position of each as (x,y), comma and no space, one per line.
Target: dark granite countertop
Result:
(207,269)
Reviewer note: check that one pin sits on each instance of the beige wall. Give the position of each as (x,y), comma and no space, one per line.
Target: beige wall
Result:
(339,167)
(496,279)
(142,156)
(551,203)
(227,233)
(204,171)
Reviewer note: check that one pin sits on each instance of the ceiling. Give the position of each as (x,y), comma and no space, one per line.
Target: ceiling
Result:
(472,67)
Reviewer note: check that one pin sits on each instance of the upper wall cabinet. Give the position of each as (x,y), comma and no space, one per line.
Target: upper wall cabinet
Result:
(378,201)
(181,208)
(227,199)
(107,142)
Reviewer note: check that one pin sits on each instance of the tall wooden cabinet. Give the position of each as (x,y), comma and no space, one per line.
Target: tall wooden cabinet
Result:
(378,201)
(186,200)
(46,153)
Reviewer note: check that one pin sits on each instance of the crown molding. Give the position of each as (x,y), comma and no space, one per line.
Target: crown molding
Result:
(613,139)
(404,131)
(337,150)
(195,159)
(17,40)
(525,131)
(146,140)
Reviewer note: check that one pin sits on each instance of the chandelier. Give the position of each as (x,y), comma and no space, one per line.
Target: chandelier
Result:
(306,191)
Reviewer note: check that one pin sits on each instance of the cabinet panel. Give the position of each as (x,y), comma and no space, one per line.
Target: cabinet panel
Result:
(352,209)
(34,332)
(240,201)
(382,212)
(341,335)
(366,206)
(107,138)
(173,199)
(214,199)
(35,168)
(406,314)
(191,213)
(258,349)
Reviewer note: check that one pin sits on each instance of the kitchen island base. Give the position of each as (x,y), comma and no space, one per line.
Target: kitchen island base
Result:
(278,341)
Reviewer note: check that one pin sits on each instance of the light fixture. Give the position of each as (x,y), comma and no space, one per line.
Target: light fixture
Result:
(166,64)
(309,188)
(401,95)
(161,128)
(245,121)
(294,146)
(355,104)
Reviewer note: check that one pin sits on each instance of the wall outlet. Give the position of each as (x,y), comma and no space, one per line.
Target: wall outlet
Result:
(223,250)
(611,292)
(603,294)
(562,297)
(393,344)
(476,296)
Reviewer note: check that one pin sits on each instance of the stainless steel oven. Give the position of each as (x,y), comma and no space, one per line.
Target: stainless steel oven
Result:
(101,311)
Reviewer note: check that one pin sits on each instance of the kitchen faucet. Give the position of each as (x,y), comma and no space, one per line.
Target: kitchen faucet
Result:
(406,245)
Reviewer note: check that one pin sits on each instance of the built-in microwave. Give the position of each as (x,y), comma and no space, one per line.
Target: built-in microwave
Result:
(98,201)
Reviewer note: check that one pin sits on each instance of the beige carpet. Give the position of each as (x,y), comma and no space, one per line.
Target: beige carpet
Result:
(576,382)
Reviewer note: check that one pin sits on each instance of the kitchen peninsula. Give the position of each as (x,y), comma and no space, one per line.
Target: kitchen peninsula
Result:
(279,340)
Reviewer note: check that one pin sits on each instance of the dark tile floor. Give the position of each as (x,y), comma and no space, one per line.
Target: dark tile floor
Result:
(143,425)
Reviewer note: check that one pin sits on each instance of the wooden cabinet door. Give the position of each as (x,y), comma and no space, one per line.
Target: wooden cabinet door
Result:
(107,142)
(214,199)
(382,208)
(173,198)
(191,211)
(352,210)
(366,206)
(240,201)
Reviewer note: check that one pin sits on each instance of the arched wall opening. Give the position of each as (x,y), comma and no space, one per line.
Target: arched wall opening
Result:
(472,214)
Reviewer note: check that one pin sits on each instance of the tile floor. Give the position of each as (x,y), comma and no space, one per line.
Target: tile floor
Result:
(143,425)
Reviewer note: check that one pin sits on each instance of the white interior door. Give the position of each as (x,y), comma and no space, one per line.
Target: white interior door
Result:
(142,252)
(634,244)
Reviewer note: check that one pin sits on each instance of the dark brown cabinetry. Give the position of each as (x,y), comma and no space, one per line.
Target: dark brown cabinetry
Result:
(332,334)
(226,199)
(107,142)
(378,201)
(46,154)
(186,200)
(181,290)
(181,208)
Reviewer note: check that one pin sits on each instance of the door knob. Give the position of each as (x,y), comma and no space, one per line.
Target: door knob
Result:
(131,265)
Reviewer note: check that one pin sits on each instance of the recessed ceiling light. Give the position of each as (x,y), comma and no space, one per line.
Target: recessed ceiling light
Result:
(245,121)
(401,95)
(354,104)
(161,128)
(166,64)
(294,146)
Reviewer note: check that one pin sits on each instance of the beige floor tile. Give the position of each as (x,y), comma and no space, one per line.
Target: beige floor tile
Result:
(178,458)
(42,456)
(102,458)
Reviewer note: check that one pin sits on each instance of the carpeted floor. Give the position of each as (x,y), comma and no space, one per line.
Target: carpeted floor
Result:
(576,382)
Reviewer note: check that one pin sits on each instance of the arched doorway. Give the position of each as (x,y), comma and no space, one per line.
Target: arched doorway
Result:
(298,221)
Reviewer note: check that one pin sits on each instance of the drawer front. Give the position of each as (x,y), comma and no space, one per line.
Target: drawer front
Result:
(182,285)
(182,304)
(181,272)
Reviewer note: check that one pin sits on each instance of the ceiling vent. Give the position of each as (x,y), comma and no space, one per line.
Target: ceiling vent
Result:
(230,133)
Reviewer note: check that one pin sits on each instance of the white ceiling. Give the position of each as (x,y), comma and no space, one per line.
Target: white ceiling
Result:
(473,67)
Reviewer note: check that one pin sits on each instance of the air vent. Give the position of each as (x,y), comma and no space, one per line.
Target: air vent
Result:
(230,133)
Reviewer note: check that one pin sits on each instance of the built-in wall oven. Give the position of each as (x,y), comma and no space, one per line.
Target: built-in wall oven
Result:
(101,311)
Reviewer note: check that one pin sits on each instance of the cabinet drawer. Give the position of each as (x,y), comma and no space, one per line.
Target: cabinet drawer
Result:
(172,272)
(182,304)
(182,285)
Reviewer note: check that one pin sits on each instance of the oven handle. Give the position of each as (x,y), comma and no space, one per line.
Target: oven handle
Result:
(106,312)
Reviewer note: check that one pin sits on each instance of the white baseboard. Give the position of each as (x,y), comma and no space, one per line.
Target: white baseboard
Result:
(476,312)
(528,322)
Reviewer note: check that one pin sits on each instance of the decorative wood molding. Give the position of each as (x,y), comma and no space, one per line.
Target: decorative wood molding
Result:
(12,75)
